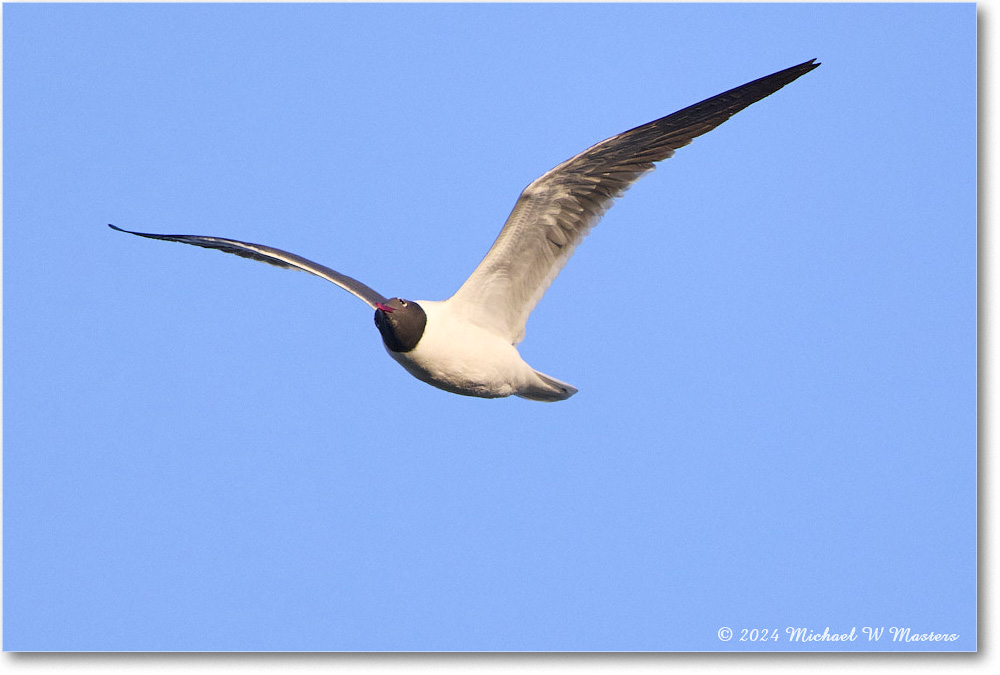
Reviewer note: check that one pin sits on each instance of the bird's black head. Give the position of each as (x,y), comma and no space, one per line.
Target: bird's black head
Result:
(401,323)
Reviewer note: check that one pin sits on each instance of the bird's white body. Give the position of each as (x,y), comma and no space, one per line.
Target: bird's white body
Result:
(456,355)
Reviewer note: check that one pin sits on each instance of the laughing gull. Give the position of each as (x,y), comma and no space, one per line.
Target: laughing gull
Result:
(467,343)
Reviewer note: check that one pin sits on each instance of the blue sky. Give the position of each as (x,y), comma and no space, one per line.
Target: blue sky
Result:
(773,334)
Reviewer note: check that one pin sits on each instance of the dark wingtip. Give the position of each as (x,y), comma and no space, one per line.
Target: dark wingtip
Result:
(801,69)
(806,66)
(122,229)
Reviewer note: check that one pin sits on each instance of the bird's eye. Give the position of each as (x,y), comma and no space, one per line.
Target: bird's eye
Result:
(402,302)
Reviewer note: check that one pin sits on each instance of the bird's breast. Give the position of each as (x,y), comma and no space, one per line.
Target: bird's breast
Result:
(463,358)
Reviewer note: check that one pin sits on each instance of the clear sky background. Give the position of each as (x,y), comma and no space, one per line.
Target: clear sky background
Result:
(773,334)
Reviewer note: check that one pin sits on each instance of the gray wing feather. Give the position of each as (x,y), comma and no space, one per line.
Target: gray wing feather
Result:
(271,256)
(556,211)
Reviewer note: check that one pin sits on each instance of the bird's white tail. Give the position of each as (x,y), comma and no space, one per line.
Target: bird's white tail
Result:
(548,389)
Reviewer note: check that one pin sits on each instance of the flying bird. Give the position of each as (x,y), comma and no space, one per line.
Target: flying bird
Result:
(467,344)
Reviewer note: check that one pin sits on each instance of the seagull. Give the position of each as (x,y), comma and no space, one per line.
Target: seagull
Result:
(467,344)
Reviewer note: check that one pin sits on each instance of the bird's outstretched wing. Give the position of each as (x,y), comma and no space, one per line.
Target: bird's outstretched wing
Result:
(272,256)
(556,211)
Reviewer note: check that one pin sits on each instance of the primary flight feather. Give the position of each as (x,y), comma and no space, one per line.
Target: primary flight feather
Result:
(466,344)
